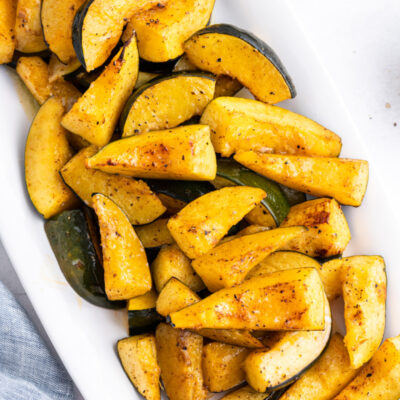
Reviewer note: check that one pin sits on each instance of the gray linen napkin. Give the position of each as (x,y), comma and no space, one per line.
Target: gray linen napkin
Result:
(28,371)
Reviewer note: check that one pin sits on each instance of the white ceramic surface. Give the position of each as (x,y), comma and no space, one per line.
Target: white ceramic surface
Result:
(83,335)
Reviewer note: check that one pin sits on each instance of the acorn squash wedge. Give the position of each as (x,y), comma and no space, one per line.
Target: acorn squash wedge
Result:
(217,48)
(98,25)
(95,115)
(138,357)
(56,18)
(46,152)
(126,271)
(73,247)
(162,30)
(167,101)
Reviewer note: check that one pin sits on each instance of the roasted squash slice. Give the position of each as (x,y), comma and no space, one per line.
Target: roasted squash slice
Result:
(56,18)
(166,102)
(275,203)
(261,303)
(364,294)
(162,30)
(199,226)
(73,245)
(7,26)
(228,264)
(287,356)
(328,233)
(329,272)
(46,152)
(28,28)
(155,234)
(245,124)
(281,260)
(34,72)
(126,272)
(183,153)
(380,378)
(97,28)
(174,296)
(218,48)
(142,314)
(235,337)
(222,366)
(138,202)
(224,85)
(331,275)
(94,116)
(327,377)
(179,355)
(138,357)
(172,263)
(58,70)
(341,178)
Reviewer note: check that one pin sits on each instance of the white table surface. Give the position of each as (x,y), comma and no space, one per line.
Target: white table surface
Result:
(358,43)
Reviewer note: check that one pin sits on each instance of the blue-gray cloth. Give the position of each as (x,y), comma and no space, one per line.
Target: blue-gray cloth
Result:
(28,371)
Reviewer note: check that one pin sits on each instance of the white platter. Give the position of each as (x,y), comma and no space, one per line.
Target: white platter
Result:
(85,336)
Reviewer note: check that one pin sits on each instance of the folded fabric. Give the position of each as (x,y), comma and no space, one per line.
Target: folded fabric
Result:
(28,371)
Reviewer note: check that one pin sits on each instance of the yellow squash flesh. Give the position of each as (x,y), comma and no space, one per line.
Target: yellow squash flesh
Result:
(34,72)
(103,25)
(327,377)
(7,26)
(380,378)
(341,178)
(95,115)
(56,19)
(135,199)
(284,300)
(174,296)
(199,226)
(126,271)
(168,103)
(172,262)
(162,30)
(287,354)
(328,232)
(222,366)
(245,124)
(183,153)
(28,27)
(228,264)
(46,152)
(364,294)
(154,234)
(220,54)
(138,357)
(179,355)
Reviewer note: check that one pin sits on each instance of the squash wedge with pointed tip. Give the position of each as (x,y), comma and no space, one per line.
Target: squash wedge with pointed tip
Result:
(95,115)
(261,303)
(126,271)
(199,226)
(138,357)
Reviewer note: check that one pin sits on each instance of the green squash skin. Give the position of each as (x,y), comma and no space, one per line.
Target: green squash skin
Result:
(153,82)
(254,41)
(69,238)
(294,196)
(182,190)
(77,26)
(275,202)
(143,321)
(157,67)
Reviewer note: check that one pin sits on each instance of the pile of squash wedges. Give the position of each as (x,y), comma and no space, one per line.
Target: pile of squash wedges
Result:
(216,220)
